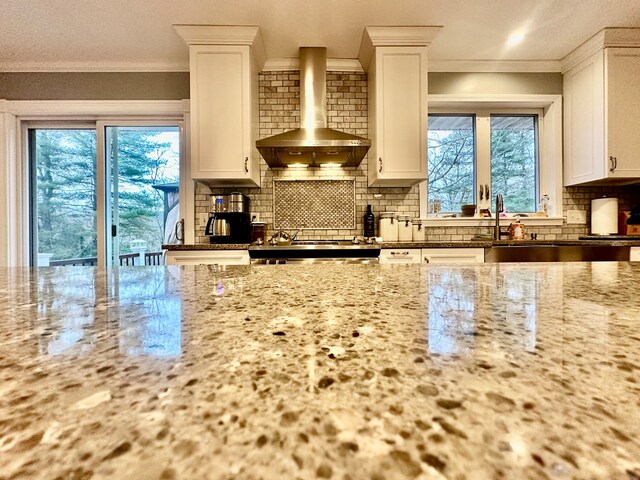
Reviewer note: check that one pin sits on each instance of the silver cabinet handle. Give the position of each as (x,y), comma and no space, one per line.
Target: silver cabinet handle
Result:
(246,164)
(380,164)
(614,163)
(481,193)
(399,253)
(486,191)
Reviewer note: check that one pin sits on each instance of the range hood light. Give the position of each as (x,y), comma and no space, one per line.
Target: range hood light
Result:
(330,165)
(297,165)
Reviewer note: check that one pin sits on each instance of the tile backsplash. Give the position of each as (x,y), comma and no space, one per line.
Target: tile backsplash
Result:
(347,111)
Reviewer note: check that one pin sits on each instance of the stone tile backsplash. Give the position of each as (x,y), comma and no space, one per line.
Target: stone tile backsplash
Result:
(347,111)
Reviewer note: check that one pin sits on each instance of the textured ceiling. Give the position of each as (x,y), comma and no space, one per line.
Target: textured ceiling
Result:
(138,34)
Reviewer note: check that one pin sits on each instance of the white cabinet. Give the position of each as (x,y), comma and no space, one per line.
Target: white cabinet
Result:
(395,59)
(400,255)
(207,257)
(224,68)
(634,254)
(453,255)
(601,114)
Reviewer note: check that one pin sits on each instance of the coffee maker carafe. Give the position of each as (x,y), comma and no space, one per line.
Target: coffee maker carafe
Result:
(229,220)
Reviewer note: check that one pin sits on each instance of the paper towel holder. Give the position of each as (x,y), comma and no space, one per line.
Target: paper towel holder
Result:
(604,216)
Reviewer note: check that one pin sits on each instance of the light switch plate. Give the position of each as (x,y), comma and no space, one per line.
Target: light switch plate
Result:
(577,217)
(202,218)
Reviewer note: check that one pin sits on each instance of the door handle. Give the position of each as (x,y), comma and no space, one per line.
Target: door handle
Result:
(614,163)
(179,230)
(380,164)
(246,164)
(481,193)
(486,191)
(114,230)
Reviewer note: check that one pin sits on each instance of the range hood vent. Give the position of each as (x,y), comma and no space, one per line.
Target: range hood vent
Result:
(313,144)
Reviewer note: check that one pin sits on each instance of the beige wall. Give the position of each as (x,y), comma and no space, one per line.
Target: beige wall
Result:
(94,86)
(514,83)
(175,85)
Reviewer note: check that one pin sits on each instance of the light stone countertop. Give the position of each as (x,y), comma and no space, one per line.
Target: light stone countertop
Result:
(479,372)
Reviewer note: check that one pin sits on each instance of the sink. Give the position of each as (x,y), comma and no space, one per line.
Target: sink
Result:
(555,253)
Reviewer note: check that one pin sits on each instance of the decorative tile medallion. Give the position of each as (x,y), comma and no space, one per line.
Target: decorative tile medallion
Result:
(314,203)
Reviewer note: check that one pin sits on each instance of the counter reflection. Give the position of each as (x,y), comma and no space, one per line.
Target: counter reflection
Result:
(76,310)
(472,308)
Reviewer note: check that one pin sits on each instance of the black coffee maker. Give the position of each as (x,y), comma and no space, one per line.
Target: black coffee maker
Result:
(230,219)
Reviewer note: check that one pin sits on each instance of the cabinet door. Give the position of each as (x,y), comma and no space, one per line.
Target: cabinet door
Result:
(399,154)
(200,257)
(623,112)
(584,122)
(221,115)
(401,255)
(453,255)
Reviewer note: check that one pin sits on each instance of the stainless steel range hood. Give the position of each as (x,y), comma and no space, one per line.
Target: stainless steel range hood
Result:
(313,144)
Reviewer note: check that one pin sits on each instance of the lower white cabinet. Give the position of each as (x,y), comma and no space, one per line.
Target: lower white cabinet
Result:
(207,257)
(453,255)
(433,255)
(400,255)
(634,254)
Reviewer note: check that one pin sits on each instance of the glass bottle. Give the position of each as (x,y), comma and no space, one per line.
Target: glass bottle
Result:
(369,223)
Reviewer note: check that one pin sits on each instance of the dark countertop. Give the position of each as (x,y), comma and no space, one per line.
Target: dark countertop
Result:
(439,244)
(479,372)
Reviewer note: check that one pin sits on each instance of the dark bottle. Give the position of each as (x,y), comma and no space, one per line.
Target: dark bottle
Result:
(369,223)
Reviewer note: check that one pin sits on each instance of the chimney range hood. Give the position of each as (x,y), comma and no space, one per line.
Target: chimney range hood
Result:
(313,144)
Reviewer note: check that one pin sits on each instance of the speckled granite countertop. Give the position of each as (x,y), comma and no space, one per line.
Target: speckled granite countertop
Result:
(481,372)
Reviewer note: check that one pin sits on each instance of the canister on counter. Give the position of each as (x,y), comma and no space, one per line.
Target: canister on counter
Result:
(405,229)
(388,227)
(258,231)
(418,230)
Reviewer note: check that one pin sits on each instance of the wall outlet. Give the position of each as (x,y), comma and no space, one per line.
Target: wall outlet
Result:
(578,217)
(203,218)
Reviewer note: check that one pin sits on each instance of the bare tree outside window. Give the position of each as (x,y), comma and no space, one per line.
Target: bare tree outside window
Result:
(451,154)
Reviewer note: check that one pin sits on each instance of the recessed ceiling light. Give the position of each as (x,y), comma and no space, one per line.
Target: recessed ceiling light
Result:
(515,38)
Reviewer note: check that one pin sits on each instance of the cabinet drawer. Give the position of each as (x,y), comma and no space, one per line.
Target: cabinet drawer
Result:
(197,257)
(453,255)
(400,255)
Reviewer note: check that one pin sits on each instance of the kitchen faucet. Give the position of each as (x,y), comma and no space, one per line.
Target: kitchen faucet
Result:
(499,209)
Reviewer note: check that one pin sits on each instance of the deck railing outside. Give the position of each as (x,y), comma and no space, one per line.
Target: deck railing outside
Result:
(150,258)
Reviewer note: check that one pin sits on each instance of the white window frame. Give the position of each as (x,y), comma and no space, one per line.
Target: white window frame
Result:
(16,117)
(549,110)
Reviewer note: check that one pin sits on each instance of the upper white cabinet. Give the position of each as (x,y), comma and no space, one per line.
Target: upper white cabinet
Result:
(395,59)
(601,114)
(224,65)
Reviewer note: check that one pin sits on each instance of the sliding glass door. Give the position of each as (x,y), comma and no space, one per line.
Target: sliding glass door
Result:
(143,169)
(104,194)
(63,196)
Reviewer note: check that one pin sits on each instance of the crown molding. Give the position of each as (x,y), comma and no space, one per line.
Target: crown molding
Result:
(495,66)
(93,67)
(397,36)
(605,38)
(333,65)
(248,35)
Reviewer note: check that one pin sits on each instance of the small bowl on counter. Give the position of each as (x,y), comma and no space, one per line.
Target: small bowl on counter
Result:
(468,210)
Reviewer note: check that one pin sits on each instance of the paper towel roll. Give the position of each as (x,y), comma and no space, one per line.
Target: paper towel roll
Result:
(604,216)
